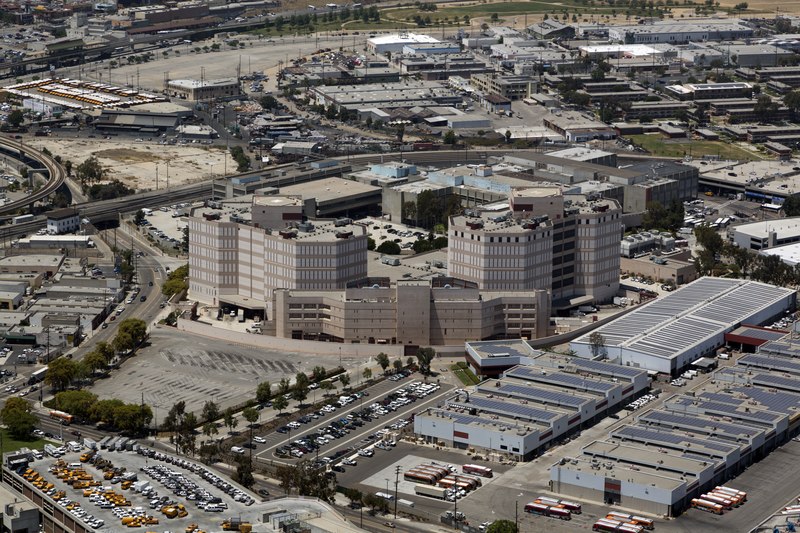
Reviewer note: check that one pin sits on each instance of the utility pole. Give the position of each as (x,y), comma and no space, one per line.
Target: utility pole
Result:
(396,482)
(516,515)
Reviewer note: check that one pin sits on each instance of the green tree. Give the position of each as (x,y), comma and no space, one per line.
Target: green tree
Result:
(344,379)
(229,419)
(598,344)
(367,374)
(139,218)
(244,472)
(263,392)
(103,410)
(132,418)
(68,167)
(123,342)
(15,118)
(136,328)
(104,349)
(791,206)
(209,430)
(318,373)
(76,402)
(300,390)
(388,248)
(283,387)
(90,171)
(502,526)
(269,102)
(17,417)
(383,360)
(326,386)
(280,403)
(60,373)
(250,414)
(449,138)
(425,357)
(792,100)
(94,361)
(210,411)
(398,365)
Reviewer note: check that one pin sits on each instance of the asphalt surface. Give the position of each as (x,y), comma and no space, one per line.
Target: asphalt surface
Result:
(266,452)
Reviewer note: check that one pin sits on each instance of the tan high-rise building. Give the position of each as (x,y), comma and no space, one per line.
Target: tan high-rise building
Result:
(242,265)
(548,241)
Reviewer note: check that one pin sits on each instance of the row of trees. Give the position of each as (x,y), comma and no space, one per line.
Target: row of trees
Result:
(177,281)
(431,209)
(425,357)
(63,372)
(131,418)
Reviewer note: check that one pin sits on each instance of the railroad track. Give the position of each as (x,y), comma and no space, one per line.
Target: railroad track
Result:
(55,173)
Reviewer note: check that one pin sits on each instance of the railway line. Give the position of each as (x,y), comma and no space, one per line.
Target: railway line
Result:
(55,172)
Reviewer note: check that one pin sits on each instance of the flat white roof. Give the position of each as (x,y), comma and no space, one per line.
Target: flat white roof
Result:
(632,49)
(784,228)
(671,325)
(404,38)
(789,253)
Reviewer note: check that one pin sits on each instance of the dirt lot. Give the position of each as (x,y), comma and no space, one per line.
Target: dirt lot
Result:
(134,163)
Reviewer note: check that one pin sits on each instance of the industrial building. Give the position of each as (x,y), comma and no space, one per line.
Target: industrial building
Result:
(533,405)
(673,32)
(395,42)
(508,86)
(549,241)
(271,180)
(768,234)
(410,93)
(693,442)
(668,334)
(710,91)
(196,90)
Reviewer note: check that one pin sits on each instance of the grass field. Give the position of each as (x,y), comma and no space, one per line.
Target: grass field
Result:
(10,444)
(658,146)
(465,375)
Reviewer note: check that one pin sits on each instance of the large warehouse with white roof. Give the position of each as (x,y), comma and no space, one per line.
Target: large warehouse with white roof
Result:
(670,333)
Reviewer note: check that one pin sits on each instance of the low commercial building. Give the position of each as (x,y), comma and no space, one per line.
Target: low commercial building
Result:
(274,179)
(531,406)
(47,265)
(409,93)
(768,234)
(18,513)
(672,32)
(196,90)
(576,127)
(668,334)
(394,43)
(507,86)
(675,268)
(709,91)
(61,221)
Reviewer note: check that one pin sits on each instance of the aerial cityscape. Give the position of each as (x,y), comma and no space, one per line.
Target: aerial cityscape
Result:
(496,267)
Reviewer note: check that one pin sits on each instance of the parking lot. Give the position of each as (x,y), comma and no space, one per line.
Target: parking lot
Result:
(381,230)
(372,422)
(179,366)
(108,489)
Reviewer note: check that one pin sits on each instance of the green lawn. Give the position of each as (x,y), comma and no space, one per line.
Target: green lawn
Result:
(657,145)
(10,444)
(501,8)
(465,375)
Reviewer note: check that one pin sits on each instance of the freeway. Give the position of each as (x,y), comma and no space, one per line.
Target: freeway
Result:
(55,173)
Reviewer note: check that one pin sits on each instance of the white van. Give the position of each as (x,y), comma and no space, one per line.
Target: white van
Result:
(237,449)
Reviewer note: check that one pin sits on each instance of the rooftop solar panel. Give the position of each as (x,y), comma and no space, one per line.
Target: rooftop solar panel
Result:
(756,333)
(649,435)
(780,382)
(771,362)
(512,409)
(686,317)
(560,378)
(532,392)
(669,418)
(783,402)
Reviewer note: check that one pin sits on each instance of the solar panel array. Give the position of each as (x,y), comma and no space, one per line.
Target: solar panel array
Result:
(607,368)
(757,333)
(780,382)
(725,409)
(780,401)
(561,378)
(699,310)
(771,362)
(669,418)
(535,393)
(654,436)
(510,409)
(782,347)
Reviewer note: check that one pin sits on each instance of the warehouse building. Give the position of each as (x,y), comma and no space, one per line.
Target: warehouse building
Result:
(203,89)
(395,42)
(693,442)
(531,406)
(673,32)
(768,234)
(670,333)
